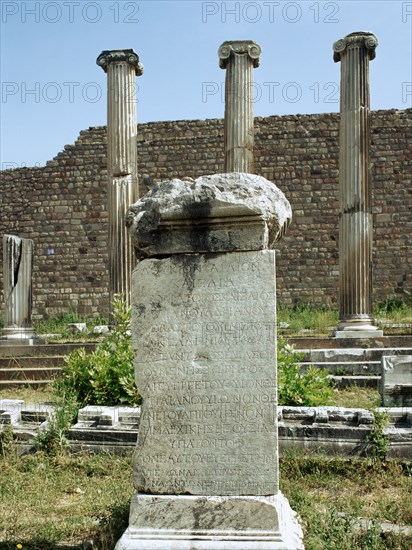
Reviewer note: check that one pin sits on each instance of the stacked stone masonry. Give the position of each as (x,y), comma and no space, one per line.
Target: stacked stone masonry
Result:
(63,206)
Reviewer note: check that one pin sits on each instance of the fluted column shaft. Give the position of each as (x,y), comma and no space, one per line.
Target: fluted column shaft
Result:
(239,59)
(121,119)
(121,67)
(355,223)
(17,273)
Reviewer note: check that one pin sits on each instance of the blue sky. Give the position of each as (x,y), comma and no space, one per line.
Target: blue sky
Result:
(52,87)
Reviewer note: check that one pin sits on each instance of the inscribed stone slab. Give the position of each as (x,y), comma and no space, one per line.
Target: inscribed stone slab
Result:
(204,337)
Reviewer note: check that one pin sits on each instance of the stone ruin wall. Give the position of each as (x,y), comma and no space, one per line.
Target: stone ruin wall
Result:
(62,206)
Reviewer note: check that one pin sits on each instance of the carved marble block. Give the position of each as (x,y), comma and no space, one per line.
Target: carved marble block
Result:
(204,339)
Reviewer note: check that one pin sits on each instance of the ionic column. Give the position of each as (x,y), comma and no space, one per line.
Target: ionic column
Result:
(239,58)
(122,67)
(355,229)
(17,274)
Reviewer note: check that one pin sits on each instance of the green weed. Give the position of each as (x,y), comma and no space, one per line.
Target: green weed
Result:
(377,440)
(355,397)
(52,439)
(393,307)
(306,318)
(52,500)
(321,321)
(330,494)
(6,440)
(59,326)
(295,387)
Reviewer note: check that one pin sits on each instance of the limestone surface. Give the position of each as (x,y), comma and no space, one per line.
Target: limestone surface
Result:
(218,213)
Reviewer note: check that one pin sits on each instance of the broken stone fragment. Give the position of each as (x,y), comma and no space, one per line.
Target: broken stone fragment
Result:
(101,329)
(76,327)
(218,213)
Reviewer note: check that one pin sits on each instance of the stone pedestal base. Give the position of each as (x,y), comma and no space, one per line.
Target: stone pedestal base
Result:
(15,336)
(359,333)
(171,522)
(358,326)
(17,333)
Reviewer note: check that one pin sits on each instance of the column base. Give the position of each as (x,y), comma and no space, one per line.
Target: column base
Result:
(183,522)
(14,336)
(376,333)
(358,326)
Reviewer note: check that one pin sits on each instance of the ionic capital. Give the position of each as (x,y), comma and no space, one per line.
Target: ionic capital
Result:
(239,47)
(120,56)
(355,40)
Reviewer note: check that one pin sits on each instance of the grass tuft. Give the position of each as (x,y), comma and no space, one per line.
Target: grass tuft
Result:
(330,494)
(58,326)
(49,500)
(304,320)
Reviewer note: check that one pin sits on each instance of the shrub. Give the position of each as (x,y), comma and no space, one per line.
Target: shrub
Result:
(106,376)
(298,388)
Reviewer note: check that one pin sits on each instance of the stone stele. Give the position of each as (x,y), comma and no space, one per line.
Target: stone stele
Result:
(204,341)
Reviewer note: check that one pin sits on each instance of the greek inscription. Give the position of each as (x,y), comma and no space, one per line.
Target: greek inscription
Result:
(198,332)
(202,443)
(208,458)
(214,355)
(217,429)
(205,365)
(176,398)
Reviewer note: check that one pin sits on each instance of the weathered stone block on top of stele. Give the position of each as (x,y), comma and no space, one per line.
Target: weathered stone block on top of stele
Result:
(220,213)
(204,341)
